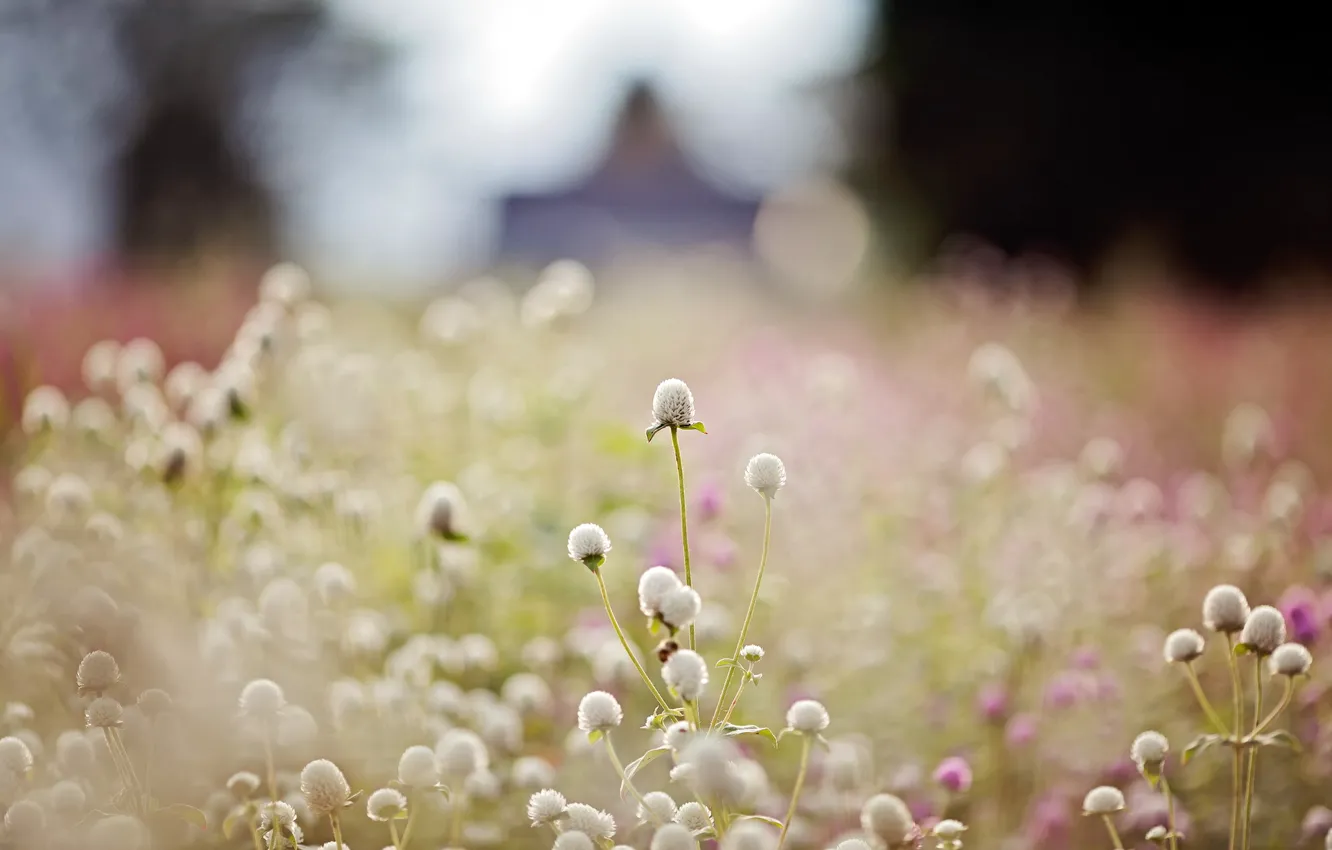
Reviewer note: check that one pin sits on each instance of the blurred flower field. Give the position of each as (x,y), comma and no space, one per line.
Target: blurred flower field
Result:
(323,589)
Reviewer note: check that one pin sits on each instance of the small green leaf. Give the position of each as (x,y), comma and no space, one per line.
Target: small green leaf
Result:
(183,812)
(594,736)
(653,429)
(823,742)
(235,819)
(1280,738)
(769,821)
(1242,649)
(654,626)
(698,426)
(726,662)
(638,764)
(1198,745)
(731,730)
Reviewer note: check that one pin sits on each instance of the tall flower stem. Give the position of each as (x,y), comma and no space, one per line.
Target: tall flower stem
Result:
(1237,708)
(1280,707)
(455,825)
(749,614)
(615,624)
(1203,701)
(806,742)
(1170,814)
(1252,777)
(337,830)
(739,689)
(1114,833)
(684,519)
(628,783)
(411,818)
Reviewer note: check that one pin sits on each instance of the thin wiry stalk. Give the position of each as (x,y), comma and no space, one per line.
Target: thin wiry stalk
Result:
(684,520)
(1252,777)
(1170,813)
(605,599)
(749,616)
(628,783)
(807,741)
(1114,833)
(1237,707)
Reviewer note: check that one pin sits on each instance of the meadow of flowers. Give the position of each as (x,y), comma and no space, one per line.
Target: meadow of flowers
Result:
(491,577)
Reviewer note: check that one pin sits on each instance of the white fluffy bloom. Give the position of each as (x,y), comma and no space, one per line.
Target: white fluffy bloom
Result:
(45,409)
(678,735)
(694,816)
(658,805)
(598,711)
(1183,645)
(15,755)
(686,673)
(68,797)
(532,772)
(887,818)
(653,586)
(1103,800)
(673,836)
(766,474)
(1290,659)
(262,699)
(1149,749)
(243,783)
(461,752)
(750,835)
(118,832)
(588,541)
(948,830)
(853,844)
(418,767)
(1225,609)
(573,841)
(545,806)
(25,820)
(752,653)
(807,716)
(324,787)
(526,693)
(592,821)
(103,712)
(384,804)
(1264,631)
(673,404)
(680,606)
(440,511)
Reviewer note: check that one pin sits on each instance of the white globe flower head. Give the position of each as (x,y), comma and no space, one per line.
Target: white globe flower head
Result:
(853,844)
(262,699)
(573,841)
(325,788)
(750,835)
(672,406)
(1183,646)
(1148,750)
(686,673)
(694,816)
(678,735)
(680,607)
(1290,659)
(589,544)
(807,717)
(673,836)
(1225,609)
(653,586)
(753,653)
(243,783)
(461,753)
(25,820)
(385,804)
(766,474)
(98,672)
(546,807)
(104,713)
(45,409)
(118,832)
(949,830)
(590,821)
(887,818)
(15,755)
(598,713)
(1264,631)
(418,767)
(657,806)
(1103,800)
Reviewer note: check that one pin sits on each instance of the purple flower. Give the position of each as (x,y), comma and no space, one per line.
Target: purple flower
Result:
(1300,607)
(1086,658)
(953,775)
(708,501)
(1049,823)
(1317,822)
(921,809)
(1020,731)
(992,702)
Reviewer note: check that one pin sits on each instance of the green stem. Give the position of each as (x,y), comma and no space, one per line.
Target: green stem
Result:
(1276,712)
(254,832)
(615,624)
(411,818)
(337,831)
(619,770)
(749,614)
(684,520)
(1170,814)
(455,825)
(1114,833)
(268,763)
(393,834)
(1237,770)
(795,792)
(1203,701)
(1253,753)
(726,718)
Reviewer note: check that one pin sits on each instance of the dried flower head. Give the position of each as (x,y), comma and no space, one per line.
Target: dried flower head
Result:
(1225,609)
(598,711)
(887,818)
(686,673)
(1264,630)
(1103,800)
(673,836)
(807,716)
(325,788)
(103,712)
(385,804)
(545,807)
(25,820)
(766,474)
(589,544)
(1183,646)
(1290,659)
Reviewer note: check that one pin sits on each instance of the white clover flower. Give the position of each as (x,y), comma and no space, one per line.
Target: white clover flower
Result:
(461,752)
(679,607)
(545,807)
(686,673)
(118,832)
(1290,659)
(766,474)
(807,717)
(532,772)
(324,787)
(1183,646)
(103,712)
(385,804)
(678,735)
(589,544)
(887,818)
(45,409)
(653,586)
(440,511)
(527,693)
(751,652)
(262,699)
(749,835)
(25,819)
(589,820)
(68,797)
(673,836)
(1264,630)
(1225,609)
(1103,800)
(418,767)
(573,841)
(243,783)
(598,711)
(16,756)
(694,816)
(1149,750)
(658,805)
(673,404)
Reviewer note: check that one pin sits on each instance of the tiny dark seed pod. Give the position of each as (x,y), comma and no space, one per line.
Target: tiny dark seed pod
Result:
(666,649)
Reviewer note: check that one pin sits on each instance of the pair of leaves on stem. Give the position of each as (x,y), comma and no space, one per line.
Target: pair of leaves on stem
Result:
(730,730)
(1279,738)
(659,426)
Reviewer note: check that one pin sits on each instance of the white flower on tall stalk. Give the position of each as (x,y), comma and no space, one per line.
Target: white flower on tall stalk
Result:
(590,821)
(599,712)
(1263,631)
(766,474)
(673,407)
(686,673)
(673,836)
(546,807)
(325,788)
(589,544)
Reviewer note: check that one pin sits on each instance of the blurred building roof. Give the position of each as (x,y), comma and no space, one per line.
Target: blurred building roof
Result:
(645,193)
